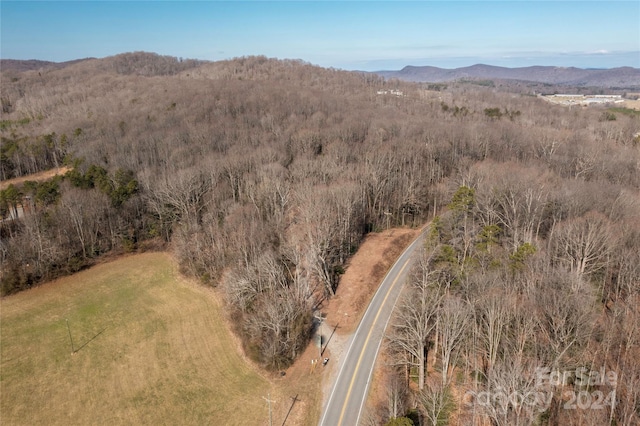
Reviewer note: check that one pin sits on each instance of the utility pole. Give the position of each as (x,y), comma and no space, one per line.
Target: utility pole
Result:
(320,335)
(269,401)
(319,318)
(388,215)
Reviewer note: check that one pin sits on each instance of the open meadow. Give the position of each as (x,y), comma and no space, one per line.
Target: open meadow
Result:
(148,348)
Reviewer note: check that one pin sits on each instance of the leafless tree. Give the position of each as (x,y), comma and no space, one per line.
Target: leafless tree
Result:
(583,244)
(515,199)
(494,314)
(179,198)
(397,396)
(520,334)
(453,319)
(512,396)
(415,317)
(280,327)
(85,213)
(624,363)
(330,219)
(565,318)
(435,403)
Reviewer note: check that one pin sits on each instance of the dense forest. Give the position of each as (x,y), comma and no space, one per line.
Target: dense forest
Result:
(263,175)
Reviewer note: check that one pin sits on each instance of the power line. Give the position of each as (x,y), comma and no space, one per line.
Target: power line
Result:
(269,401)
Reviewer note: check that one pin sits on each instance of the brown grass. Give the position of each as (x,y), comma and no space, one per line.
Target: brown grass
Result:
(151,348)
(632,104)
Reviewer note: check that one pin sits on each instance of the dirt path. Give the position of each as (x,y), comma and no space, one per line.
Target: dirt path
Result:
(38,177)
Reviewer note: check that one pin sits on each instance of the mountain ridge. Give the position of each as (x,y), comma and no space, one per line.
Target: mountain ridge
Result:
(619,77)
(21,65)
(570,76)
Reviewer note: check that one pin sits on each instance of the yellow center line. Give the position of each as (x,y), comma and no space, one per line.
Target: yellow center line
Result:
(375,320)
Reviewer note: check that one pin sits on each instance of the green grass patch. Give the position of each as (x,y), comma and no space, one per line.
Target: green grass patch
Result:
(7,124)
(626,111)
(148,348)
(484,83)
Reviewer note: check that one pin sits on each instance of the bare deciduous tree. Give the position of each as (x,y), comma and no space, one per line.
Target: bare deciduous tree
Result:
(512,398)
(565,318)
(494,314)
(280,327)
(397,397)
(415,317)
(179,197)
(453,319)
(583,243)
(435,403)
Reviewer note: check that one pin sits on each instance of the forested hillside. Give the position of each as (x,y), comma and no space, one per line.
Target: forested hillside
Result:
(263,175)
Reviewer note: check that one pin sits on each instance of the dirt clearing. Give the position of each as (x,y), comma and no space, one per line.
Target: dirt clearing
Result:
(38,177)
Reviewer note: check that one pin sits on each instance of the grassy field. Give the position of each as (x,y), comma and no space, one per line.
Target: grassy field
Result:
(150,348)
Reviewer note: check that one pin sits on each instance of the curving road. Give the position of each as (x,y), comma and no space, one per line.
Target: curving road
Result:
(350,389)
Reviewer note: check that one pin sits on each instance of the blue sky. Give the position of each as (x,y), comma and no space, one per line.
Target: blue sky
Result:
(363,35)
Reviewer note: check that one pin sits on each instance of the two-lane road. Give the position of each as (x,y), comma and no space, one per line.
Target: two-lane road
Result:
(350,390)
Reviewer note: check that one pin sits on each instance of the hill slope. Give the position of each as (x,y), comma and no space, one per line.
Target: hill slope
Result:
(34,64)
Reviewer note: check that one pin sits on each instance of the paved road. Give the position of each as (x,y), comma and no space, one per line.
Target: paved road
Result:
(350,390)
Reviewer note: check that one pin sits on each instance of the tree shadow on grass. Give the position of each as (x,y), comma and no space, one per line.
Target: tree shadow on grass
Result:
(329,339)
(293,402)
(90,340)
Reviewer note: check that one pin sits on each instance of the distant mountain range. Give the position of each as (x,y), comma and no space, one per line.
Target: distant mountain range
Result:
(34,64)
(624,77)
(619,78)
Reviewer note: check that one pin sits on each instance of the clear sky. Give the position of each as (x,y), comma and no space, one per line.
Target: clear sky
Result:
(362,35)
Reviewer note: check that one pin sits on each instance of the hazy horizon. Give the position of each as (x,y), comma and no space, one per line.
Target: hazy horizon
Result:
(359,35)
